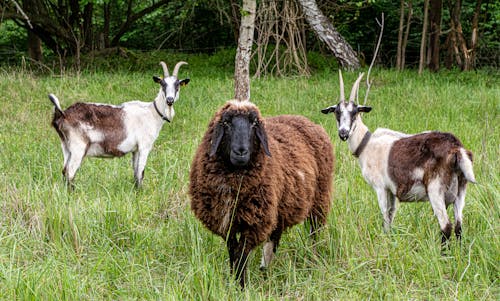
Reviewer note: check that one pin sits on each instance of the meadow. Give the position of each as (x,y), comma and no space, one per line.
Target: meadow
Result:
(107,240)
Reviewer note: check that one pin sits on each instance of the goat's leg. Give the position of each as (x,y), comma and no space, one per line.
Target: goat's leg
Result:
(77,153)
(435,191)
(135,163)
(270,248)
(458,207)
(66,155)
(140,164)
(391,204)
(385,209)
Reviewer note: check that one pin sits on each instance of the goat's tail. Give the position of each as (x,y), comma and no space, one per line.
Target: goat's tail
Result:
(464,161)
(57,107)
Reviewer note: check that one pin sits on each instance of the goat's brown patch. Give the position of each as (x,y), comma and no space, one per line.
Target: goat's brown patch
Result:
(433,152)
(103,118)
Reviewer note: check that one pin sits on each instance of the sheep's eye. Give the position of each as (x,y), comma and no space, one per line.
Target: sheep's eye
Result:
(225,123)
(255,122)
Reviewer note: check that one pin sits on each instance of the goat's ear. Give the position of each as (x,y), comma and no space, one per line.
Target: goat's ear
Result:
(184,81)
(364,109)
(216,138)
(262,136)
(329,109)
(157,79)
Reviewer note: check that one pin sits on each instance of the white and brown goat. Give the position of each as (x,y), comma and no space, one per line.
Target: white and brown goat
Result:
(430,166)
(105,130)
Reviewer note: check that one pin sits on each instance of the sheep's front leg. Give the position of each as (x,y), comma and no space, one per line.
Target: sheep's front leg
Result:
(384,202)
(270,248)
(435,191)
(140,158)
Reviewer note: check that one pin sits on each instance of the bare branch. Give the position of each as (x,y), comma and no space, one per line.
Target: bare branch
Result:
(368,84)
(21,11)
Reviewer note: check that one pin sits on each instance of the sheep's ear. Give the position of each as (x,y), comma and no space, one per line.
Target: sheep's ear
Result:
(364,109)
(184,81)
(262,136)
(157,79)
(329,109)
(216,139)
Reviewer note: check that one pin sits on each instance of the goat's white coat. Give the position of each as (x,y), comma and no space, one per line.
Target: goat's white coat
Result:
(142,125)
(374,167)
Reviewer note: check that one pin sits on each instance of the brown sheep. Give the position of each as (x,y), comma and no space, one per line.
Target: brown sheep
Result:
(257,176)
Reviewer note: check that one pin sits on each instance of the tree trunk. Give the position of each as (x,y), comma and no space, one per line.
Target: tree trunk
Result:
(244,51)
(424,38)
(400,34)
(474,34)
(35,47)
(435,32)
(329,35)
(407,33)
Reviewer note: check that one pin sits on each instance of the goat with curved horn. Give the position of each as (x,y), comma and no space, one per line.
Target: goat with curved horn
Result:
(177,66)
(165,69)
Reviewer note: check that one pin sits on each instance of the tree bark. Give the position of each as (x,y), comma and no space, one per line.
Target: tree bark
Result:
(435,32)
(329,35)
(244,51)
(400,34)
(424,38)
(407,33)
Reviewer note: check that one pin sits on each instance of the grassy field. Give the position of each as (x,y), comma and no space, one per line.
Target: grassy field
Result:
(107,240)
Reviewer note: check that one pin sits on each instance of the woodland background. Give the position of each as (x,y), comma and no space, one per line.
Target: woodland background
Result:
(458,34)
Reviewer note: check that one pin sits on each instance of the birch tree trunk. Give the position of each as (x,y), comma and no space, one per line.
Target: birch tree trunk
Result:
(329,35)
(244,51)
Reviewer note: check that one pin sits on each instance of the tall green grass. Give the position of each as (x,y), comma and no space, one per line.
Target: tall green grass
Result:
(107,240)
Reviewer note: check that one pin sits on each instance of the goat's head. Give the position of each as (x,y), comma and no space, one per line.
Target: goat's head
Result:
(238,134)
(347,112)
(170,85)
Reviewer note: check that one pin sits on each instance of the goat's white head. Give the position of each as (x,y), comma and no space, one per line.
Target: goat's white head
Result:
(170,85)
(346,112)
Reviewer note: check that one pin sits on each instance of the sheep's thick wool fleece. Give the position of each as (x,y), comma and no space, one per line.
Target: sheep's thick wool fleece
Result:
(273,192)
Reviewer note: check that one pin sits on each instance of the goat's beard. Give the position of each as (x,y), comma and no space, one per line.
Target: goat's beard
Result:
(170,113)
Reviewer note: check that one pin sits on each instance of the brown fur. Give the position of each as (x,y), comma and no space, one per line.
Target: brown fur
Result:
(104,118)
(273,194)
(434,152)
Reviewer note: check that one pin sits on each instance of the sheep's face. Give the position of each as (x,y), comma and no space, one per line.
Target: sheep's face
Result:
(346,113)
(237,137)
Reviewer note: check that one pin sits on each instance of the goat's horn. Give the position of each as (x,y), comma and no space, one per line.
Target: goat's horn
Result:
(177,66)
(341,82)
(355,87)
(165,69)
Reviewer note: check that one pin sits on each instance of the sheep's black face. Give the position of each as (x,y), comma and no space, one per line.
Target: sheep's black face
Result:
(242,136)
(237,138)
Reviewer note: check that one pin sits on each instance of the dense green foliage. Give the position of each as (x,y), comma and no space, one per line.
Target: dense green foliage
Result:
(205,26)
(106,240)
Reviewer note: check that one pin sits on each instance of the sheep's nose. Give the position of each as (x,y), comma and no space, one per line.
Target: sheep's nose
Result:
(343,134)
(241,152)
(170,101)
